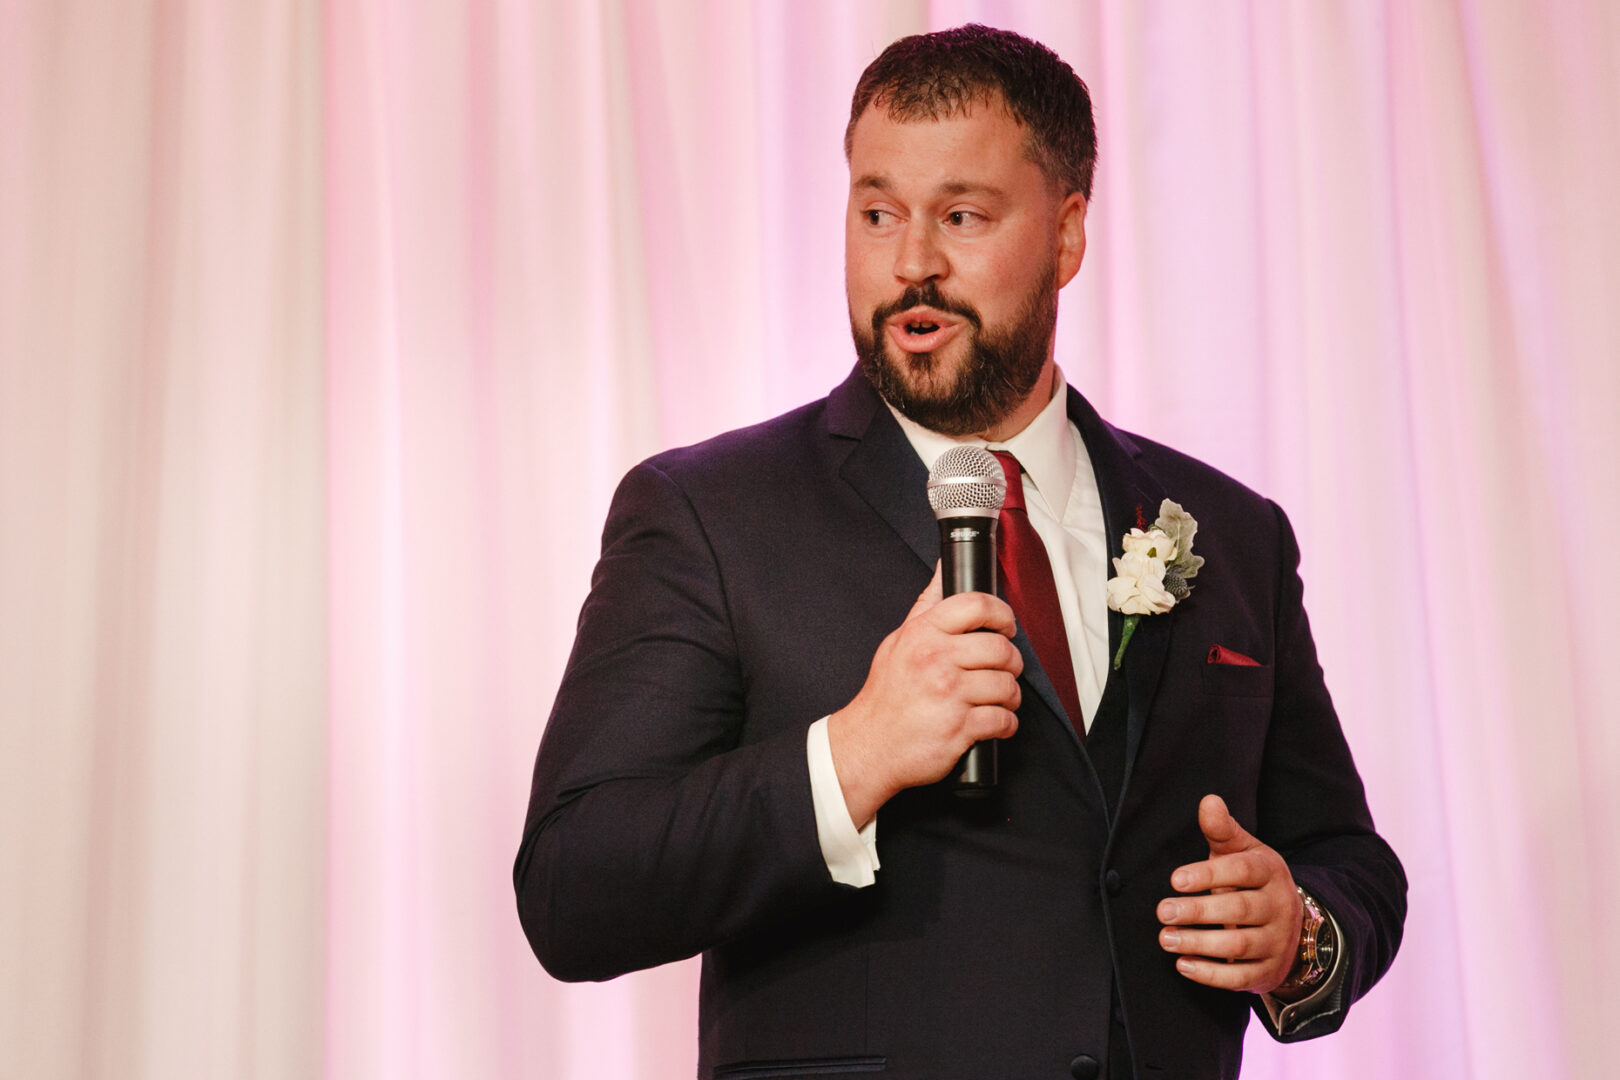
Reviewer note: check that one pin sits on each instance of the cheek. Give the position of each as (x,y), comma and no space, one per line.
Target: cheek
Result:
(865,278)
(1001,280)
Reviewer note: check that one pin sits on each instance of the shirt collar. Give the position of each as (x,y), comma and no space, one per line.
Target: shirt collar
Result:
(1045,448)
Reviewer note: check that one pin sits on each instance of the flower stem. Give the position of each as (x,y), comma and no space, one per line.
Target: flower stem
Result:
(1125,638)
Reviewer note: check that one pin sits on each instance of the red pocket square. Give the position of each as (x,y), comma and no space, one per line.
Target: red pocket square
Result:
(1220,654)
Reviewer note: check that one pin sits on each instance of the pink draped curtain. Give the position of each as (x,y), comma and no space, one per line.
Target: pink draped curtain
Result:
(326,330)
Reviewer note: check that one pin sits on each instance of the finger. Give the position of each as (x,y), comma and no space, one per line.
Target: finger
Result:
(1246,975)
(1235,944)
(1246,907)
(1252,869)
(929,596)
(1220,828)
(973,651)
(973,611)
(989,687)
(990,722)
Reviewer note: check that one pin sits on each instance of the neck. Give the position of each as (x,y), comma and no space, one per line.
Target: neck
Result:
(1028,409)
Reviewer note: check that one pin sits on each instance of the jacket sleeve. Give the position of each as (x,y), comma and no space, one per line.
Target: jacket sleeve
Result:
(1313,810)
(653,830)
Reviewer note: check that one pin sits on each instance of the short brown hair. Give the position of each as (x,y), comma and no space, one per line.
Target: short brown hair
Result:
(930,76)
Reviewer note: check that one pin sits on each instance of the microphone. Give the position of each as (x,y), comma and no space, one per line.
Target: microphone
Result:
(966,488)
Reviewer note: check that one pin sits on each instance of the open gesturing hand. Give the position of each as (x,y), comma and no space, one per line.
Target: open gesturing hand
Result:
(1251,897)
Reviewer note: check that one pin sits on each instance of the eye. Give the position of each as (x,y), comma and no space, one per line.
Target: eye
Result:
(876,217)
(958,218)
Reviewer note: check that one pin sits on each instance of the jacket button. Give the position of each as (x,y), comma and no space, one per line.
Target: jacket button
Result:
(1112,883)
(1084,1067)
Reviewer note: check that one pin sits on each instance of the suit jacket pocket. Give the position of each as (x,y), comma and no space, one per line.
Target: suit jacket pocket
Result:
(787,1068)
(1232,680)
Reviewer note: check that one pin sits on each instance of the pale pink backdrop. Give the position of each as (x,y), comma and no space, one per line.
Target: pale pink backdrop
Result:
(326,330)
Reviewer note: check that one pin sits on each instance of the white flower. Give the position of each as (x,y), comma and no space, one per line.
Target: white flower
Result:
(1155,543)
(1138,587)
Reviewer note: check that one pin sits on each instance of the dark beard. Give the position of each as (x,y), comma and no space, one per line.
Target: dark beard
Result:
(997,374)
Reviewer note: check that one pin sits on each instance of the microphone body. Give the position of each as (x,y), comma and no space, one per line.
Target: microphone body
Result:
(966,488)
(967,555)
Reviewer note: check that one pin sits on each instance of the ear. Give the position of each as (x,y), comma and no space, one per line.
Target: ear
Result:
(1071,226)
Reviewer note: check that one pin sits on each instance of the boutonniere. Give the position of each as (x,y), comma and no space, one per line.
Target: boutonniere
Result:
(1151,576)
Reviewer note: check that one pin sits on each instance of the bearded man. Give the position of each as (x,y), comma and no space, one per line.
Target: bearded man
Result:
(749,756)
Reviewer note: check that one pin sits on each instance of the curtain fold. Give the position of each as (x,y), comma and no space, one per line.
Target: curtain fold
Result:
(162,578)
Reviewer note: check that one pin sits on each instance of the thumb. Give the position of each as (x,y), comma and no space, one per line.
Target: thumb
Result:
(1220,828)
(929,596)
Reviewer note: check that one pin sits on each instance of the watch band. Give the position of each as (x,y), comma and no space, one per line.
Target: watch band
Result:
(1316,948)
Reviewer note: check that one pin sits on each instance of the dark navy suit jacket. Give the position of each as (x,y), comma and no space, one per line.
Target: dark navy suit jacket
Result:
(743,587)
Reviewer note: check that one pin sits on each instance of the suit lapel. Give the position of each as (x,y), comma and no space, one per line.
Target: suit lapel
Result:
(1124,486)
(882,467)
(885,471)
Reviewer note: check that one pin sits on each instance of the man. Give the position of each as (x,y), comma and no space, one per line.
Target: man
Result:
(749,753)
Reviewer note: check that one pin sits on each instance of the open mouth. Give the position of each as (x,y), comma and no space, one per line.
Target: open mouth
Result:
(919,323)
(921,330)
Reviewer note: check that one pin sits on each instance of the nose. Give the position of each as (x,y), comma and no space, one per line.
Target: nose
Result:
(920,257)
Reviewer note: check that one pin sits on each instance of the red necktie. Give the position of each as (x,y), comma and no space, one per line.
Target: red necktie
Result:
(1026,576)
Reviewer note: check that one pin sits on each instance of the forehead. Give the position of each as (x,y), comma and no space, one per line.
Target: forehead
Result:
(982,144)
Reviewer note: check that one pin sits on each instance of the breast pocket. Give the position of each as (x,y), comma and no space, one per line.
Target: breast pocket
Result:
(1232,680)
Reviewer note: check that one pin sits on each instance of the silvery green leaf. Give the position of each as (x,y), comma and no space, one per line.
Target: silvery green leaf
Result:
(1179,525)
(1187,567)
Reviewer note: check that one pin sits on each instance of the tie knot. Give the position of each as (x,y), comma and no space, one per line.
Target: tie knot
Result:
(1015,480)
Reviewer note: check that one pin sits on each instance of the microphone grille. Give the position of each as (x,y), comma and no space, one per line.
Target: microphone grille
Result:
(966,479)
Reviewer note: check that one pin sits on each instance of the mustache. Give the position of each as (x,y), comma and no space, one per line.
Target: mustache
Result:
(924,295)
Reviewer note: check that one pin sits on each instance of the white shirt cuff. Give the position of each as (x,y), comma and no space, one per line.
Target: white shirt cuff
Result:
(851,853)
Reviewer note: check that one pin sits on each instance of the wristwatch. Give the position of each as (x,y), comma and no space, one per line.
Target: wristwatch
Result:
(1318,945)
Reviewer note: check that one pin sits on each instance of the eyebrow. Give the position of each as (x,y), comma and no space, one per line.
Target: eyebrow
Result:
(966,187)
(880,182)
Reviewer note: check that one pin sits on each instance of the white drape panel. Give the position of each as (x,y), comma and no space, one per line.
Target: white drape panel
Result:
(162,601)
(327,329)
